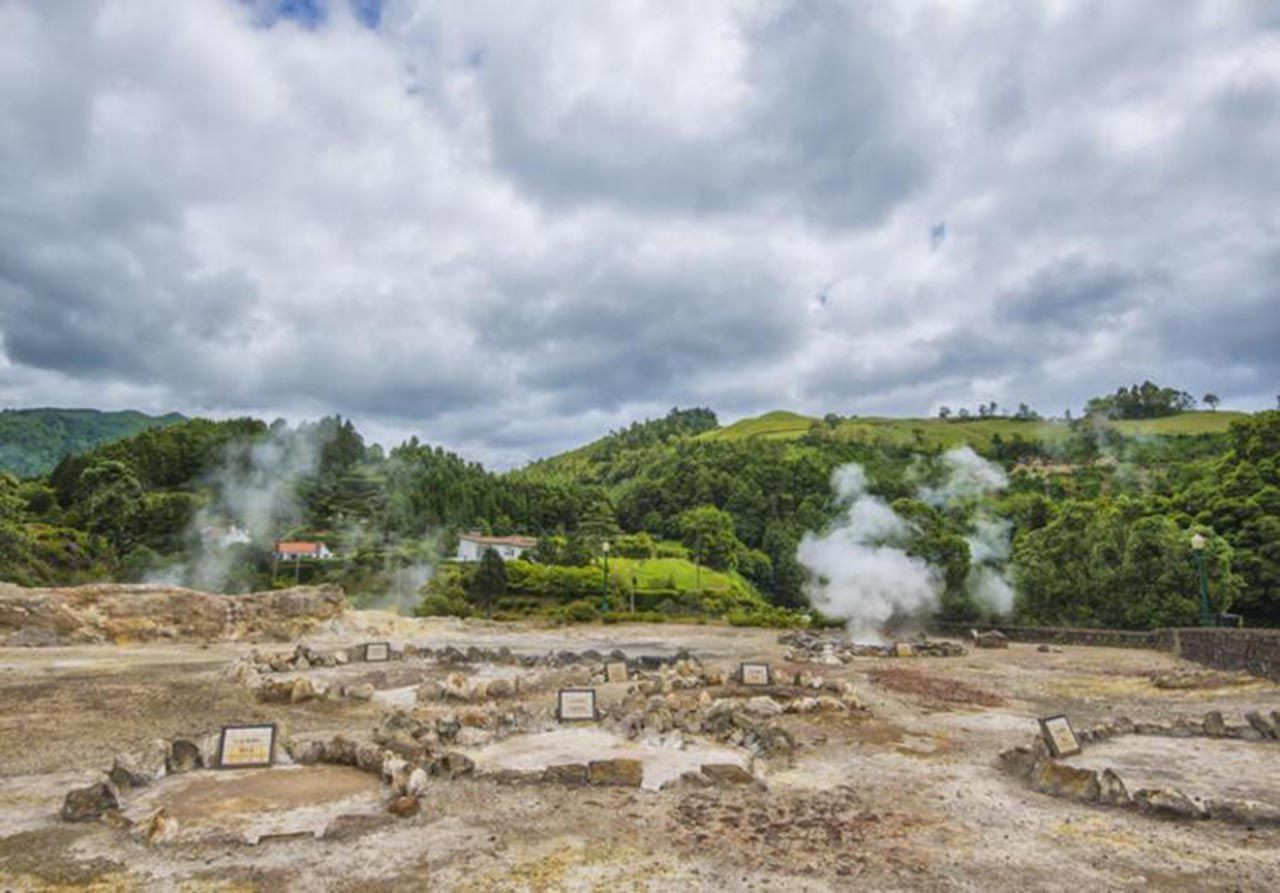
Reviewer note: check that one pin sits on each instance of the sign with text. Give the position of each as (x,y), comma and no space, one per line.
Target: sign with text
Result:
(1059,735)
(245,746)
(902,649)
(754,674)
(616,671)
(377,652)
(576,703)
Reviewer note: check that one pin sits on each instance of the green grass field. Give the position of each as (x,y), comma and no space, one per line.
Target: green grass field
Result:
(673,573)
(977,432)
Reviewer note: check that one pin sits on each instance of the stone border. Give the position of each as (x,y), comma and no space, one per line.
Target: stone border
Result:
(1046,774)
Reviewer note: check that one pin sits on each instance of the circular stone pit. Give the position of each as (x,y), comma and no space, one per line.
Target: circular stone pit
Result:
(252,804)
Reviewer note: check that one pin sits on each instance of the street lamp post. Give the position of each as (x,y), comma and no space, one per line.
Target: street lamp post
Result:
(1197,555)
(604,581)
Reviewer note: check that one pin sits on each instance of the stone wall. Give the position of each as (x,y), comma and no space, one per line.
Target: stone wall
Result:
(1060,635)
(1254,650)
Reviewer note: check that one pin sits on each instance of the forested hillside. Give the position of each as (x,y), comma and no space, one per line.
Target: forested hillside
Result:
(32,441)
(1089,521)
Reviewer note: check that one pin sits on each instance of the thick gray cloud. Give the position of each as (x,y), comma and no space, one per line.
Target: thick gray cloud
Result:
(510,227)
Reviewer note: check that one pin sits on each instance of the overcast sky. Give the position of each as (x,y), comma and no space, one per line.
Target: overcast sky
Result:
(510,226)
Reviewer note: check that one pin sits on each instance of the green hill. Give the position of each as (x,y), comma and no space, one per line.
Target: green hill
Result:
(33,441)
(977,432)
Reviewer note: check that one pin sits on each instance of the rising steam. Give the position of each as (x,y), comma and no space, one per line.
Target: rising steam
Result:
(858,571)
(859,567)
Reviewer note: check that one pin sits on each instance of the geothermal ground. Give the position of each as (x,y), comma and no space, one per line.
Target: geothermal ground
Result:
(899,788)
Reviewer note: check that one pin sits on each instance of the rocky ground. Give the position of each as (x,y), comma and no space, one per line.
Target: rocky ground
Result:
(899,789)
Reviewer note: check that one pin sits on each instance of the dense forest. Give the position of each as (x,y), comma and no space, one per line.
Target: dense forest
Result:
(33,441)
(1096,522)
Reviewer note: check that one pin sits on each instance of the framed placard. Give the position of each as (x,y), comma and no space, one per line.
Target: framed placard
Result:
(245,746)
(576,703)
(616,671)
(902,649)
(754,674)
(377,652)
(1059,735)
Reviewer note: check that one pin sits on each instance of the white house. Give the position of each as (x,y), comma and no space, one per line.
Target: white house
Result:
(293,550)
(472,545)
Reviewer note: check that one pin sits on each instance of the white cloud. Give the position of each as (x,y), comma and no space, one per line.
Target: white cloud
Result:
(510,227)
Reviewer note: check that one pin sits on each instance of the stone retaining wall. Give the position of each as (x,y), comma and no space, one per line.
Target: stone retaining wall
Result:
(1060,635)
(1254,650)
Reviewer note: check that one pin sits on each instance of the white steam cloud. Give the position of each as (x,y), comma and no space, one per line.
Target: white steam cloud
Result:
(859,567)
(253,501)
(858,572)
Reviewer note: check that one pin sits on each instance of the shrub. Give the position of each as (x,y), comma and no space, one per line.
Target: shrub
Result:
(581,611)
(766,616)
(441,605)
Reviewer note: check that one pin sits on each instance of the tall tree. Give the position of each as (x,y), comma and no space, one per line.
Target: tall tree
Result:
(490,580)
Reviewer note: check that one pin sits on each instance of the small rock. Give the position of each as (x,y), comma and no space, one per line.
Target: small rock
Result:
(157,826)
(1244,812)
(727,773)
(618,773)
(452,765)
(90,802)
(1112,790)
(501,688)
(301,690)
(1169,803)
(418,783)
(184,756)
(1067,781)
(404,807)
(1214,727)
(762,705)
(1263,725)
(572,774)
(363,692)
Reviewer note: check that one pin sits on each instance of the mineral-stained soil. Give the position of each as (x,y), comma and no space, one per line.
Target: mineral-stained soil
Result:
(902,795)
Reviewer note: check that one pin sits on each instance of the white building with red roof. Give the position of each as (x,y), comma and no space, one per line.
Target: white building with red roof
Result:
(291,550)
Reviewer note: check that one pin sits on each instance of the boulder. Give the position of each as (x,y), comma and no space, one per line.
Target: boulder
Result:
(87,803)
(1167,803)
(615,773)
(1066,781)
